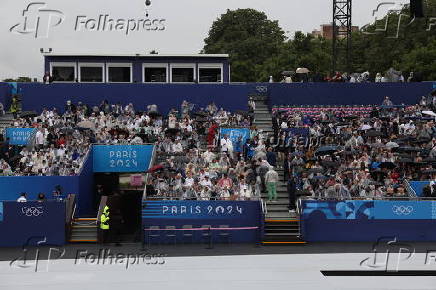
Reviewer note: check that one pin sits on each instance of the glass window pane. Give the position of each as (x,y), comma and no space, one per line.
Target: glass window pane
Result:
(119,74)
(91,74)
(183,75)
(155,75)
(210,75)
(63,73)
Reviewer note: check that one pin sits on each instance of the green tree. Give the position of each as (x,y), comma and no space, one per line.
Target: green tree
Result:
(18,80)
(250,38)
(258,47)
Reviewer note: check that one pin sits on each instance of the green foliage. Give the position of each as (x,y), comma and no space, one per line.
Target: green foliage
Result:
(258,47)
(250,39)
(19,80)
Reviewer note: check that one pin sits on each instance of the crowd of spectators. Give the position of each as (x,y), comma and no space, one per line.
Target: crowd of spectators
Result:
(390,76)
(201,164)
(358,156)
(340,156)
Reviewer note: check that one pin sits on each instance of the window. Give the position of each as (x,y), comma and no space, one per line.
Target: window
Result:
(183,74)
(210,75)
(155,75)
(63,72)
(155,72)
(119,73)
(91,73)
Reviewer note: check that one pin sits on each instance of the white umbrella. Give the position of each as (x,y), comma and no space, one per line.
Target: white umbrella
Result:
(302,70)
(430,113)
(365,127)
(391,145)
(86,125)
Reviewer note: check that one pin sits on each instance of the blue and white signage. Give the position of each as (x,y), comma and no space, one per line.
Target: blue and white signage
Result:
(189,209)
(238,136)
(122,158)
(19,136)
(370,210)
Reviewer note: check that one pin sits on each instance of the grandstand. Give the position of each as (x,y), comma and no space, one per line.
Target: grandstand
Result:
(203,178)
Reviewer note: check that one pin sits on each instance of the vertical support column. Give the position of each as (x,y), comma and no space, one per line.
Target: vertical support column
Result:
(341,33)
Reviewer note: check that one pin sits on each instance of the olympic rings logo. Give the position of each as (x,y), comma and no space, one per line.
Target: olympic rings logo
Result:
(32,211)
(262,89)
(402,210)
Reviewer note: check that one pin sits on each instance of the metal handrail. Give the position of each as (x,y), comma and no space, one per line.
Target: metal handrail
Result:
(409,188)
(147,175)
(85,160)
(180,198)
(264,207)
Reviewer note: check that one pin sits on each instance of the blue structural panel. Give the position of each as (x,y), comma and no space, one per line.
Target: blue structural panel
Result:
(122,158)
(32,223)
(232,97)
(36,97)
(363,220)
(243,218)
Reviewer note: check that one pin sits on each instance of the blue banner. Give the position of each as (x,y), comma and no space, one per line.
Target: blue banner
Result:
(245,217)
(19,136)
(418,186)
(201,210)
(28,223)
(1,211)
(238,136)
(122,158)
(296,132)
(370,210)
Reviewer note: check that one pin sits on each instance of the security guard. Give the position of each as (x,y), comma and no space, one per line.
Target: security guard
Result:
(14,106)
(104,225)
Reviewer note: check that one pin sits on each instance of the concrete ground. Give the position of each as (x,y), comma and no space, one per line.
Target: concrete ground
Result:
(223,267)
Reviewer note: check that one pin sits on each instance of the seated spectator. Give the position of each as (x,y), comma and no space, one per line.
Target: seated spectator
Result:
(22,198)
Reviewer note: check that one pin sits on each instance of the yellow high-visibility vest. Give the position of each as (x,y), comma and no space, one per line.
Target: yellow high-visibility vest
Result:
(104,221)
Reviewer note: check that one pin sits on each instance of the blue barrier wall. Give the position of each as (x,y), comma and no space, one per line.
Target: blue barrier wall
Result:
(82,186)
(230,96)
(5,94)
(12,186)
(32,222)
(86,195)
(360,221)
(166,96)
(345,93)
(418,186)
(198,213)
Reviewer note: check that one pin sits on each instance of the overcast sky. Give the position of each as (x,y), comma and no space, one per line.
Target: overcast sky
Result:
(187,23)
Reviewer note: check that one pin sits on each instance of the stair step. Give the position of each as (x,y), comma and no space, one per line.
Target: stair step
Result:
(282,221)
(282,234)
(84,234)
(84,227)
(295,231)
(293,243)
(278,215)
(83,241)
